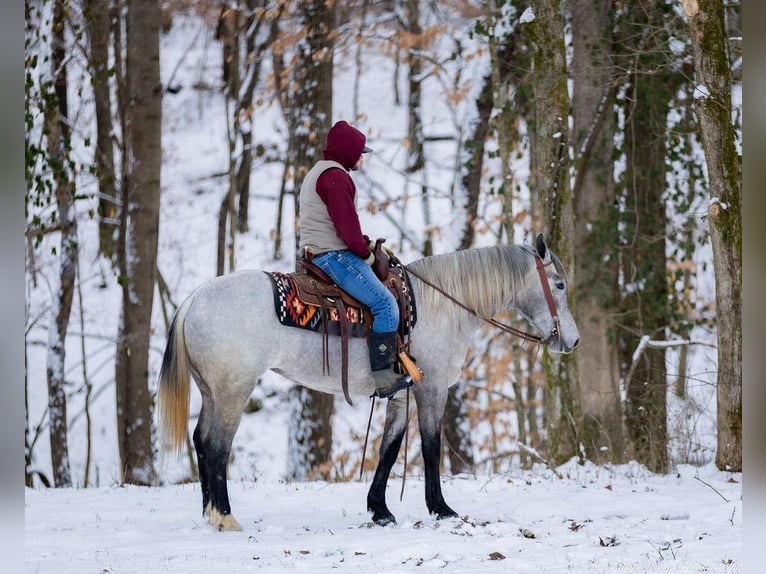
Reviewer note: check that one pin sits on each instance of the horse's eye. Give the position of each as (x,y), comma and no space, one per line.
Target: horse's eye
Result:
(560,285)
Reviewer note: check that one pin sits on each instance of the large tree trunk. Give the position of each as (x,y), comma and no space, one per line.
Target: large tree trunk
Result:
(596,230)
(310,118)
(98,15)
(550,179)
(724,166)
(646,309)
(57,128)
(139,258)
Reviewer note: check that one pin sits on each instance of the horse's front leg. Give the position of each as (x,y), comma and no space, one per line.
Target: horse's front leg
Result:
(430,413)
(393,432)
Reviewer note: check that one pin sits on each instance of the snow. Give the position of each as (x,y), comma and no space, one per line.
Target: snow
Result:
(701,92)
(593,519)
(527,16)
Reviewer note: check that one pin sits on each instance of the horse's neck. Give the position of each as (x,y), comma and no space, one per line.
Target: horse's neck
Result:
(484,280)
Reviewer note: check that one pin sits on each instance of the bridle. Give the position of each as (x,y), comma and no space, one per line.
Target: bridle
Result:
(538,339)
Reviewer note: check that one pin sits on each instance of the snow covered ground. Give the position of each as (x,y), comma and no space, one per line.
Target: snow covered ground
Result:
(593,519)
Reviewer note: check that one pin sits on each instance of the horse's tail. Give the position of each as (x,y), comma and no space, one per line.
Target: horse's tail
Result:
(173,390)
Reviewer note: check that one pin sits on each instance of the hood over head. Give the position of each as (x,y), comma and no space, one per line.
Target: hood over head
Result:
(345,144)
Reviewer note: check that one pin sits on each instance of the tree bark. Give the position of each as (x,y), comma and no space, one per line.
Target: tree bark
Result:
(310,118)
(646,310)
(457,430)
(596,230)
(58,135)
(550,178)
(139,257)
(724,166)
(228,32)
(98,16)
(416,159)
(474,149)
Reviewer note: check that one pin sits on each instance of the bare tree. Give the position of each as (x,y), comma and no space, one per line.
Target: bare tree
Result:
(413,41)
(310,118)
(138,253)
(596,229)
(724,166)
(550,178)
(246,31)
(57,129)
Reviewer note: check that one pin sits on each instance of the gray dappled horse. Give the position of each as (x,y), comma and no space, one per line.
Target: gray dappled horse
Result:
(226,335)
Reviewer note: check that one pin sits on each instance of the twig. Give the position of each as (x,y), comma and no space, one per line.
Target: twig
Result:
(711,487)
(647,342)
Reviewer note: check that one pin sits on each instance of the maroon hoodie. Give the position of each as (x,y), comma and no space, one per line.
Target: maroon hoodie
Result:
(336,188)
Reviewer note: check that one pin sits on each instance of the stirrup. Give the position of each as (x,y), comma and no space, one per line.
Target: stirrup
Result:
(389,389)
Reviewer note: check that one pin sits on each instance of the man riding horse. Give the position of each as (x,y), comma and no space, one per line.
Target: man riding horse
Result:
(331,238)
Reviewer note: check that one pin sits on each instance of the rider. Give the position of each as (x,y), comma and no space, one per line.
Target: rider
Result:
(331,237)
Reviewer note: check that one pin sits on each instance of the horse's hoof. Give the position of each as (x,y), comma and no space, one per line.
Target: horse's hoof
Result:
(445,512)
(224,522)
(383,519)
(229,524)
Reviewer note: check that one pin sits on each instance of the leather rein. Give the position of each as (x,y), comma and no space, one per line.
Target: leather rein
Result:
(538,339)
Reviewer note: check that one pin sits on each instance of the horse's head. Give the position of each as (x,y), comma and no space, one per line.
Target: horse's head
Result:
(546,304)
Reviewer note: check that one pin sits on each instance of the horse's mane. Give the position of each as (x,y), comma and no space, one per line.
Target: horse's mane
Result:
(486,279)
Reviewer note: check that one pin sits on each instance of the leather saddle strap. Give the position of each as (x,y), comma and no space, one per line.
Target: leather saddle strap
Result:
(343,347)
(325,343)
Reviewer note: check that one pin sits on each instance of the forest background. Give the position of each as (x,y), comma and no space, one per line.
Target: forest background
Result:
(486,129)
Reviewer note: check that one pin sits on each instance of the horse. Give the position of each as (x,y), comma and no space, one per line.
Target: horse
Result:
(226,335)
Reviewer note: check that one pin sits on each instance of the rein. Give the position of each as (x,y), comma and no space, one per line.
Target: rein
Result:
(538,339)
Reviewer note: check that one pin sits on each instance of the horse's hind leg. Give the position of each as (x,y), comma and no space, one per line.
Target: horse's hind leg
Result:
(212,440)
(393,432)
(200,446)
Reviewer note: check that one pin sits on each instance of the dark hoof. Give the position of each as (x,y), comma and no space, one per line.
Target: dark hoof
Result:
(383,518)
(445,512)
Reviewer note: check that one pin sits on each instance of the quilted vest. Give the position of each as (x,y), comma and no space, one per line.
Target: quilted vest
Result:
(317,231)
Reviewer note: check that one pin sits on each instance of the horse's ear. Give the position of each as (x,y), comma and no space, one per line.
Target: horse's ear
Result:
(540,246)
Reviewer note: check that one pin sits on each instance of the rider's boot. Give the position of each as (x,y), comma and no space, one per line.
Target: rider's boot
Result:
(382,360)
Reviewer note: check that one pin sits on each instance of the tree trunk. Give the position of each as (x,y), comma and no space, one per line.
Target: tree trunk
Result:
(550,178)
(57,128)
(646,309)
(139,257)
(228,32)
(416,160)
(474,150)
(457,430)
(310,118)
(724,166)
(596,230)
(252,73)
(98,16)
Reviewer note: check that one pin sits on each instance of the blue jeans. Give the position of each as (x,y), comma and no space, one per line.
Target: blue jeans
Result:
(349,272)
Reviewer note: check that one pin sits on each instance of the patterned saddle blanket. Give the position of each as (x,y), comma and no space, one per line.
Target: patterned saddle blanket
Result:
(305,301)
(294,310)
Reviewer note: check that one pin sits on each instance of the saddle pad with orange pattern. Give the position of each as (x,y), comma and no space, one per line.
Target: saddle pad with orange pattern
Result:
(294,312)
